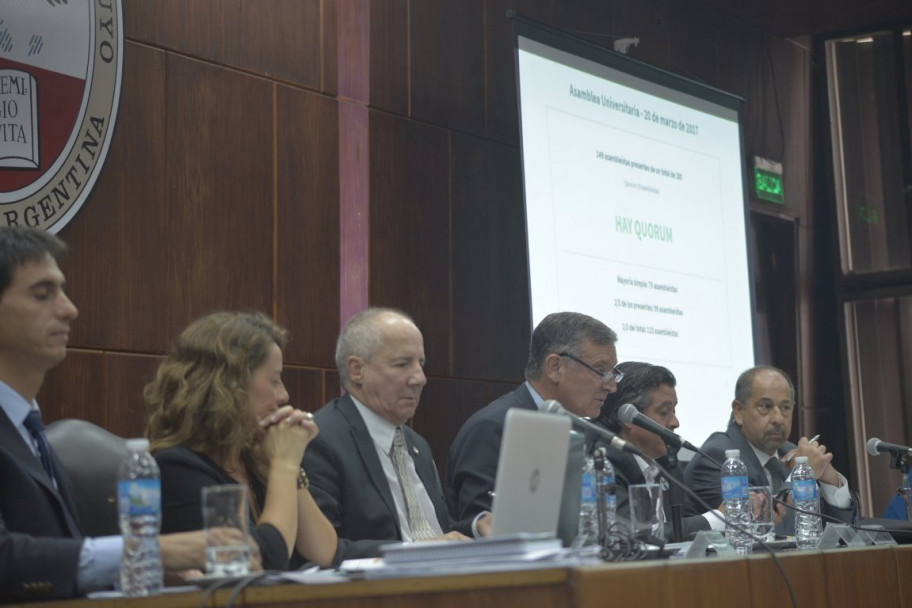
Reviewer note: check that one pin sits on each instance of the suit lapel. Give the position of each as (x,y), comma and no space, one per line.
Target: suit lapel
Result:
(12,442)
(367,451)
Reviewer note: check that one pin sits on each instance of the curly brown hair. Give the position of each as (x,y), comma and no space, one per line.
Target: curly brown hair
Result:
(198,398)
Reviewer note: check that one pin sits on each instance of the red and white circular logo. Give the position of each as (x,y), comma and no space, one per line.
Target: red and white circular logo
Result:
(60,74)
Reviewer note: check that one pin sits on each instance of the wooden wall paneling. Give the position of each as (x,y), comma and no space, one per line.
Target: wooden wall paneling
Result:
(644,584)
(501,109)
(903,567)
(807,577)
(353,50)
(793,83)
(75,389)
(647,21)
(282,39)
(502,113)
(410,228)
(126,377)
(875,566)
(220,164)
(307,224)
(332,385)
(448,64)
(117,268)
(331,42)
(389,54)
(191,27)
(445,405)
(491,323)
(304,386)
(693,584)
(354,210)
(692,44)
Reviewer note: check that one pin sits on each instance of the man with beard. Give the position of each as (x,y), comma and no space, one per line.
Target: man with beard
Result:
(759,427)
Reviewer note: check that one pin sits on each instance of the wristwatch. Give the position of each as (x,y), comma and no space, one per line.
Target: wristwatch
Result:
(303,481)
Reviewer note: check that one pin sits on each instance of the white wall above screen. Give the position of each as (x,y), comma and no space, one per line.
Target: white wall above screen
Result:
(635,213)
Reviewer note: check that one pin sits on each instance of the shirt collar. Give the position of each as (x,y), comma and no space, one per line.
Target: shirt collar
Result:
(15,406)
(381,430)
(535,396)
(762,456)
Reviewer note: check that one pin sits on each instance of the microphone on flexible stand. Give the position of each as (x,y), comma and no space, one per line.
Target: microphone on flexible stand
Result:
(553,407)
(629,414)
(876,446)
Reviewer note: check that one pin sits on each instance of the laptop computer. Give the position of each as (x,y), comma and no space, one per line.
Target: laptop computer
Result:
(529,487)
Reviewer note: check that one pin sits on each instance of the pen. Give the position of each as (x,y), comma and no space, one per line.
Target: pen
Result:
(812,439)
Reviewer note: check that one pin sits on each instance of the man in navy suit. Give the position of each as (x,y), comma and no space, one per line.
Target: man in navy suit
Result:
(571,359)
(759,427)
(43,553)
(372,496)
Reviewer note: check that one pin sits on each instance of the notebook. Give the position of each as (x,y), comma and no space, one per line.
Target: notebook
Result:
(529,486)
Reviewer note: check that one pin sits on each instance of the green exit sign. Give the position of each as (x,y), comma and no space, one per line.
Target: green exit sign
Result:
(768,184)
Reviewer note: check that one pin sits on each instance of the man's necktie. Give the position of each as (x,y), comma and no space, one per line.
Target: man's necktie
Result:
(36,428)
(421,530)
(652,474)
(777,480)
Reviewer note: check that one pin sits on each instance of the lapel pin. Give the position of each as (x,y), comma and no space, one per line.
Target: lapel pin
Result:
(415,450)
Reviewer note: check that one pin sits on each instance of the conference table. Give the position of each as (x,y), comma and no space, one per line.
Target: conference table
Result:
(872,576)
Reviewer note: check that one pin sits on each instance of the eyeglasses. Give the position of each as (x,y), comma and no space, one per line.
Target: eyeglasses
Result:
(606,377)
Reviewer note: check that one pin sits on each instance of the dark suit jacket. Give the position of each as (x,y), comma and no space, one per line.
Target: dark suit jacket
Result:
(40,536)
(703,477)
(184,473)
(472,463)
(348,483)
(627,473)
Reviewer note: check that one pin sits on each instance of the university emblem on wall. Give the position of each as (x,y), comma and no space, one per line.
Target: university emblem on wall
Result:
(60,73)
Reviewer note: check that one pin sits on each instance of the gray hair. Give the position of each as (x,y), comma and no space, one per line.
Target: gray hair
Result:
(361,337)
(564,332)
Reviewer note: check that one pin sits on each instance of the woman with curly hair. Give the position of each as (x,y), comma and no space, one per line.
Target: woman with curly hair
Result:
(219,414)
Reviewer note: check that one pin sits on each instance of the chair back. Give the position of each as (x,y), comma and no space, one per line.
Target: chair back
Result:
(91,457)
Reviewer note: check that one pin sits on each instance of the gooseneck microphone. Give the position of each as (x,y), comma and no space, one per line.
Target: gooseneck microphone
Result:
(629,414)
(876,446)
(553,407)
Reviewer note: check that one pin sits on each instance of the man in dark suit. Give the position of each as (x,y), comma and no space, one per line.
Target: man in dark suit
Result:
(759,427)
(651,388)
(571,359)
(43,554)
(372,476)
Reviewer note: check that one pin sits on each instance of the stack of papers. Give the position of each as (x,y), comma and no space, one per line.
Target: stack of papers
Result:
(430,558)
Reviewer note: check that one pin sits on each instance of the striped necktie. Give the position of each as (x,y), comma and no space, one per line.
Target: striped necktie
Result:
(36,428)
(421,529)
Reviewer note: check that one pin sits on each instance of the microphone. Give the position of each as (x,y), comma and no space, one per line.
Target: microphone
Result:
(551,406)
(629,414)
(876,446)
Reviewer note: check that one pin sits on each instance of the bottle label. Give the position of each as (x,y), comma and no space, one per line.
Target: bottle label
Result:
(139,497)
(734,487)
(804,489)
(588,488)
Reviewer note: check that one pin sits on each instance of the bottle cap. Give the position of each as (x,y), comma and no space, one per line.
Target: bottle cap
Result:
(140,444)
(732,453)
(801,459)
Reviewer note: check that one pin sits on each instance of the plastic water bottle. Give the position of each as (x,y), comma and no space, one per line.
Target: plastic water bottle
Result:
(804,493)
(139,506)
(736,498)
(605,487)
(588,519)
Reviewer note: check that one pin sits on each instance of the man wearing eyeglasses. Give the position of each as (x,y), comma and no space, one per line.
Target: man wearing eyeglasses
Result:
(571,359)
